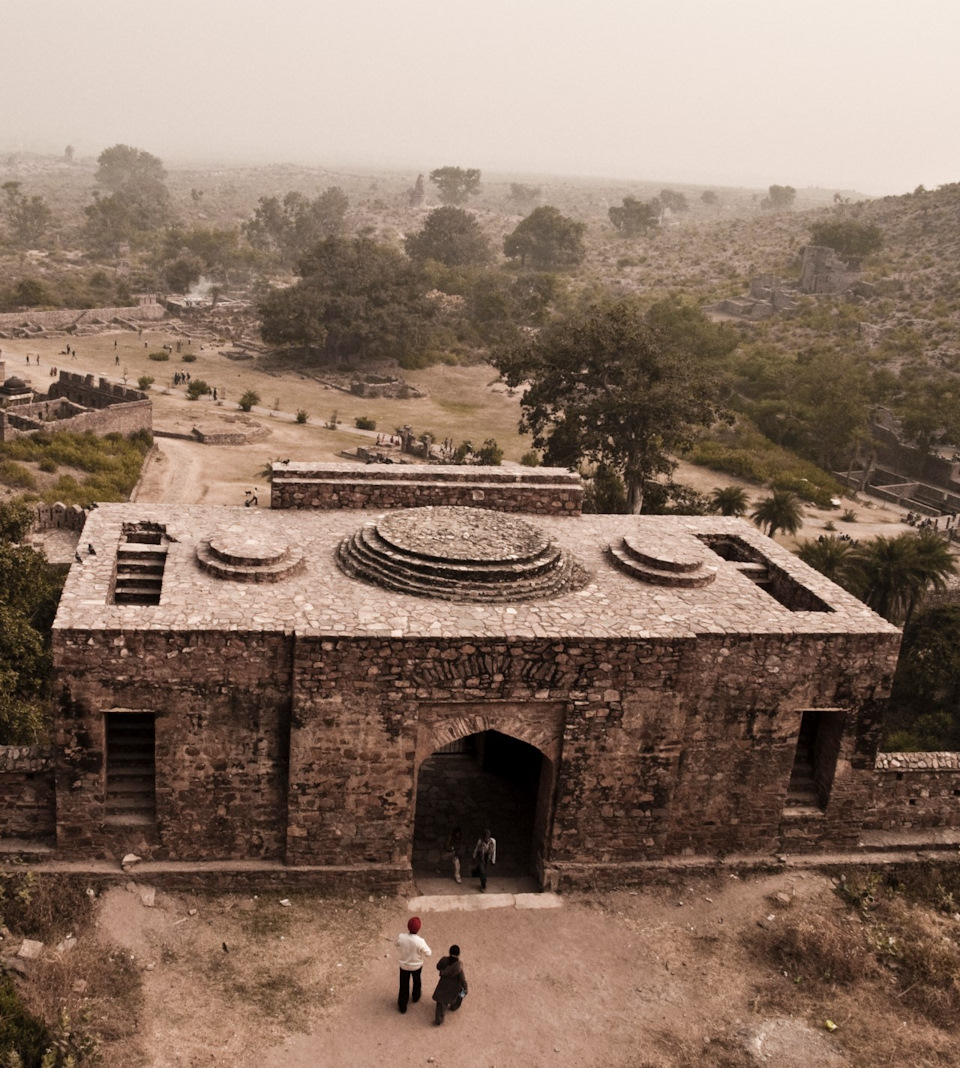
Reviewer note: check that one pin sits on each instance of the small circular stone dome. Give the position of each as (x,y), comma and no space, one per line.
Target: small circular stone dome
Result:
(659,563)
(459,554)
(236,553)
(15,385)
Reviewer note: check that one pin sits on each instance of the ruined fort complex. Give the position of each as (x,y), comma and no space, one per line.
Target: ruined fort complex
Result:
(290,687)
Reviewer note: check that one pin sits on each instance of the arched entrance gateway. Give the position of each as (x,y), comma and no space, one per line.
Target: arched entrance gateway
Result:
(491,766)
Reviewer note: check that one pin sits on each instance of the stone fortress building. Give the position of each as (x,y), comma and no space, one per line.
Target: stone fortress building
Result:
(277,688)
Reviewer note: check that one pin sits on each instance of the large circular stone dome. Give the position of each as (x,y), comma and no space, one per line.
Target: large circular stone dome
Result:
(459,554)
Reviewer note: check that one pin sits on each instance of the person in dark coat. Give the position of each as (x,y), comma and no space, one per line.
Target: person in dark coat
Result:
(452,986)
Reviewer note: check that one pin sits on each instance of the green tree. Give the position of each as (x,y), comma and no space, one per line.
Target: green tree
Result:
(217,251)
(355,298)
(450,236)
(924,709)
(548,239)
(121,166)
(850,238)
(674,200)
(490,454)
(16,520)
(523,196)
(633,217)
(780,511)
(455,185)
(833,557)
(138,202)
(181,274)
(500,303)
(710,198)
(29,218)
(779,198)
(290,227)
(729,500)
(894,573)
(607,388)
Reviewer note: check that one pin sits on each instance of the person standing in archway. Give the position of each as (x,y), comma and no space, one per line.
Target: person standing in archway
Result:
(453,848)
(411,949)
(484,853)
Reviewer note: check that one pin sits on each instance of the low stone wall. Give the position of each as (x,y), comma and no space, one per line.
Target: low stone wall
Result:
(58,516)
(27,799)
(548,491)
(915,790)
(64,319)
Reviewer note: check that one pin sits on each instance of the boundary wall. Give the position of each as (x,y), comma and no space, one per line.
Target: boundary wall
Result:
(542,491)
(915,790)
(66,319)
(27,794)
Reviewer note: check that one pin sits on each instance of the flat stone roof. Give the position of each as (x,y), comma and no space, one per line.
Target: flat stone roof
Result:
(320,599)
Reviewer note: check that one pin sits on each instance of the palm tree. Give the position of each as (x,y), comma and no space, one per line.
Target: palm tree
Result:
(893,574)
(832,557)
(780,511)
(729,500)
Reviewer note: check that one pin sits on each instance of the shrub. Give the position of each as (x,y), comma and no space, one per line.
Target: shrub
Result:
(159,357)
(302,415)
(849,516)
(47,465)
(248,400)
(364,422)
(144,382)
(197,388)
(490,454)
(189,357)
(16,475)
(531,458)
(16,520)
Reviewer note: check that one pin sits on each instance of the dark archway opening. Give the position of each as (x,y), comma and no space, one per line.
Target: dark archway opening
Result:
(483,780)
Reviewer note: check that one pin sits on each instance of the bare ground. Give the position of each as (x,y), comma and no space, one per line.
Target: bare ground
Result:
(665,976)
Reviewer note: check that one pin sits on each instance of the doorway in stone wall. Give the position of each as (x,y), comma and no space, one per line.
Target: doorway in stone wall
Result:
(483,780)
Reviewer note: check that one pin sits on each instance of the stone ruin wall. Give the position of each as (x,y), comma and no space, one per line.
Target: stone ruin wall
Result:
(667,747)
(27,800)
(915,790)
(65,319)
(222,705)
(80,404)
(378,487)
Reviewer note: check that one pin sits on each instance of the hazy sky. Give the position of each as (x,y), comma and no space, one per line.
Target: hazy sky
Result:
(861,94)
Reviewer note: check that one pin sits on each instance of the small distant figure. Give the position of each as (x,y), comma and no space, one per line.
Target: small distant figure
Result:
(484,853)
(116,361)
(214,392)
(38,357)
(411,949)
(453,848)
(90,549)
(251,501)
(114,343)
(78,558)
(452,987)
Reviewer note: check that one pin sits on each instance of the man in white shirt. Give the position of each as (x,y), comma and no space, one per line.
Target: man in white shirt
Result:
(484,853)
(411,949)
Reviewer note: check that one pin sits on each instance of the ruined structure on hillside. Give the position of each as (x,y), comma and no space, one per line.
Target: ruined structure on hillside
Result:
(289,687)
(822,271)
(75,403)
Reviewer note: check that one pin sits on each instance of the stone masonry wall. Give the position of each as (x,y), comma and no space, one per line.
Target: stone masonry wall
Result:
(222,727)
(27,799)
(667,747)
(65,318)
(915,790)
(377,487)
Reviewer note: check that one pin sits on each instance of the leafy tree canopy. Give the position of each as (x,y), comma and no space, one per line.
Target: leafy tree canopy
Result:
(850,238)
(674,200)
(548,239)
(456,185)
(28,218)
(121,166)
(524,195)
(355,298)
(779,198)
(450,236)
(607,387)
(288,228)
(634,217)
(780,511)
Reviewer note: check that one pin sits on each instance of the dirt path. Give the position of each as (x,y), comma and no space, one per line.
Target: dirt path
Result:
(620,980)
